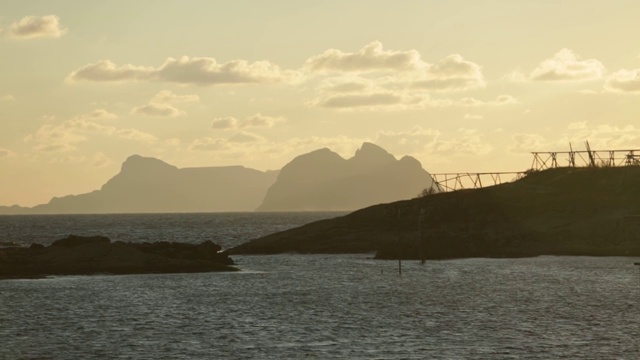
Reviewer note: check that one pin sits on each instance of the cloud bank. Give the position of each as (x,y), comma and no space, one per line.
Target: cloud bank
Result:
(31,27)
(187,71)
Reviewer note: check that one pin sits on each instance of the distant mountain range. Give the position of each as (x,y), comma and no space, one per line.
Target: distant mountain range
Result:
(317,181)
(149,185)
(323,180)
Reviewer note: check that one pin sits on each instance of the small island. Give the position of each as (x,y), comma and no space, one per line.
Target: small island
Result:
(88,255)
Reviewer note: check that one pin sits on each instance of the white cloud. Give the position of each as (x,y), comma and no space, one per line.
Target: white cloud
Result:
(159,110)
(372,57)
(107,71)
(453,73)
(565,65)
(254,121)
(624,81)
(161,105)
(186,70)
(7,97)
(224,123)
(30,27)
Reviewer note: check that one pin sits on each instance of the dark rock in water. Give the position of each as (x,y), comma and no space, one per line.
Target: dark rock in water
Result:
(74,240)
(564,211)
(79,255)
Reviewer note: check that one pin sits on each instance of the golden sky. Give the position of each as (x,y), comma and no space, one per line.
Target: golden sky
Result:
(460,85)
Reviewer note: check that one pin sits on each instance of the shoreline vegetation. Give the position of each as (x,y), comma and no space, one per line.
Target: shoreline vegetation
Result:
(80,255)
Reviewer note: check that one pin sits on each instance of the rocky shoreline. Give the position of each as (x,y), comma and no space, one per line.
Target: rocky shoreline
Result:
(80,255)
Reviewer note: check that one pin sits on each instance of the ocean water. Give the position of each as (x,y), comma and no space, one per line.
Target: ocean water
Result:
(317,306)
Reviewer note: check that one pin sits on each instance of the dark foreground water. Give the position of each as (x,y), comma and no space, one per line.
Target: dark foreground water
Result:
(337,306)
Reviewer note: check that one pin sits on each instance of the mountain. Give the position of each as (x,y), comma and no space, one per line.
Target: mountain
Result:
(149,185)
(322,180)
(562,211)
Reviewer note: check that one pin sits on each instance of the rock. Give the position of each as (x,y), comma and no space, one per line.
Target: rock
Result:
(80,255)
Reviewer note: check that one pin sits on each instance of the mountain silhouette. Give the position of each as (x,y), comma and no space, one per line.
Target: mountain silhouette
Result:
(323,180)
(149,185)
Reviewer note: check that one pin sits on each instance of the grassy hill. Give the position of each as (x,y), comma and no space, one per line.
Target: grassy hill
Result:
(563,211)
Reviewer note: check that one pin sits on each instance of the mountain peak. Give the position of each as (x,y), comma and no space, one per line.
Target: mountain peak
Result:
(141,163)
(373,154)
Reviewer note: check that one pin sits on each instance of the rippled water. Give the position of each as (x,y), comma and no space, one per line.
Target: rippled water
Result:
(334,306)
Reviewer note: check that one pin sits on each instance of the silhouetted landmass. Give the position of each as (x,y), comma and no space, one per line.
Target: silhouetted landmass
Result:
(149,185)
(323,181)
(564,211)
(78,255)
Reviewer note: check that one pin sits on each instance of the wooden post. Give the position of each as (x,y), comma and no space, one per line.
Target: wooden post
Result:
(421,219)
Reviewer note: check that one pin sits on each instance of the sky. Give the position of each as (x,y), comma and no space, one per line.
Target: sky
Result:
(462,86)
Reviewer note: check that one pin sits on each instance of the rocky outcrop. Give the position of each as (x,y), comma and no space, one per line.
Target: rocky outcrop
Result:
(565,211)
(79,255)
(149,185)
(323,181)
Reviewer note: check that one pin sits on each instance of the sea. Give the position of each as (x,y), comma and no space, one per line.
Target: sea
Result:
(294,306)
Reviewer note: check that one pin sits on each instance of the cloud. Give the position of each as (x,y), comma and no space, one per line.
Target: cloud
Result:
(565,65)
(107,71)
(67,135)
(371,101)
(600,137)
(401,100)
(99,114)
(432,143)
(254,121)
(453,73)
(159,110)
(136,135)
(372,57)
(166,96)
(188,71)
(259,120)
(224,123)
(31,27)
(7,97)
(208,144)
(501,100)
(624,81)
(244,137)
(161,105)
